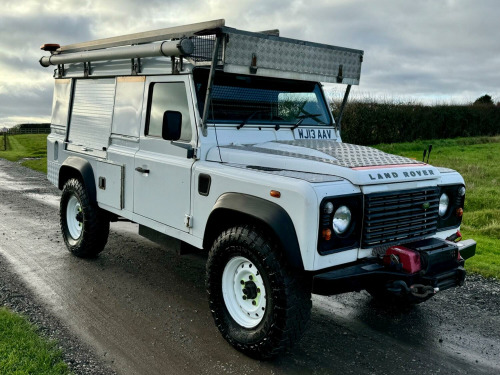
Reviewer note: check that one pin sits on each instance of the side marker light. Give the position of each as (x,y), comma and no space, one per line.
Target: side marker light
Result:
(275,194)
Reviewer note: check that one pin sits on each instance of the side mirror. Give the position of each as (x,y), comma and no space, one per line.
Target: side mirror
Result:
(172,125)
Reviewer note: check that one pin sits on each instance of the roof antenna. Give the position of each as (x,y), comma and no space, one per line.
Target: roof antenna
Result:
(429,153)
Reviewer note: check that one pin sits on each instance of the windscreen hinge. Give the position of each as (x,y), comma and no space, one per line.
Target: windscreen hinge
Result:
(253,64)
(340,76)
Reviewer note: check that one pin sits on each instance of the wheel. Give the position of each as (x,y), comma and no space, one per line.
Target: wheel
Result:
(259,305)
(84,226)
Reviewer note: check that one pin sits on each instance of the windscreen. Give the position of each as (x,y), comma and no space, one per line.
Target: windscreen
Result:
(240,99)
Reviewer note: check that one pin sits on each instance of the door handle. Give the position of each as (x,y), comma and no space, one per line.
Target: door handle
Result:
(142,170)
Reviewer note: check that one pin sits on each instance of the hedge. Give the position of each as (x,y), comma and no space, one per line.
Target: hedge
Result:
(372,123)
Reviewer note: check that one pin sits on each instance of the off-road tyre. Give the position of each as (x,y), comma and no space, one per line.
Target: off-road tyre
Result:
(287,300)
(94,228)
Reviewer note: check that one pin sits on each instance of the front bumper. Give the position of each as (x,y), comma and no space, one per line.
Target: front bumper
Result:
(372,272)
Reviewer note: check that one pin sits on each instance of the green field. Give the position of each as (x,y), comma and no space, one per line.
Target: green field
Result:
(32,147)
(22,351)
(478,160)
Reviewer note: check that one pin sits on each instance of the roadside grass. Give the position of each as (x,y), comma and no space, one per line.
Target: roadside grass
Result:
(478,161)
(22,351)
(22,146)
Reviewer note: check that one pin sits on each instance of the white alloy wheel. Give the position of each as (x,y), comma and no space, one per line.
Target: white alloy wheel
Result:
(74,217)
(244,292)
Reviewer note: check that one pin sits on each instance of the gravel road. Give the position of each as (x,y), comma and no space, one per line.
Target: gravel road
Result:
(142,309)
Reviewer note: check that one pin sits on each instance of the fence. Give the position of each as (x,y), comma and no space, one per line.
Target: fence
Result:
(4,133)
(29,131)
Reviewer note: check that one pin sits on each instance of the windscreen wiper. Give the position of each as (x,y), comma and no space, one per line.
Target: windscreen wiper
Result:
(304,116)
(248,119)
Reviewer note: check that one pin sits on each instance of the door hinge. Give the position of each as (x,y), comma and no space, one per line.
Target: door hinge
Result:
(188,221)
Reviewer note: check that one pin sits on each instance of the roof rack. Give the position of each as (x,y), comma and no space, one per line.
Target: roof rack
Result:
(169,33)
(262,53)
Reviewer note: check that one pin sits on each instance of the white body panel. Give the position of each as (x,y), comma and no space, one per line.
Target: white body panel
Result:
(167,195)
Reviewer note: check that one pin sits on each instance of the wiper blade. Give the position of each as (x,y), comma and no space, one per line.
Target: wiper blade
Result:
(304,116)
(252,115)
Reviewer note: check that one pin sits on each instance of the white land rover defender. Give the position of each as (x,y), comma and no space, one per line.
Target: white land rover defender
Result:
(222,139)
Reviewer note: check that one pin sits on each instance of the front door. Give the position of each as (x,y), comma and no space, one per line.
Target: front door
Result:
(162,175)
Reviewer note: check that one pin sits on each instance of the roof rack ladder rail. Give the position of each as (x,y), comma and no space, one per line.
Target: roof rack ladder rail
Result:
(176,48)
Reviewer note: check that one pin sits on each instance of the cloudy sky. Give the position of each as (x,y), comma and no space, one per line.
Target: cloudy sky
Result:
(431,51)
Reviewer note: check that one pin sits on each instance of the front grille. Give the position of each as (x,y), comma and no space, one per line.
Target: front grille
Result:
(397,216)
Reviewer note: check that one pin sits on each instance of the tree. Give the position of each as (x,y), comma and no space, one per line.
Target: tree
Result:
(484,100)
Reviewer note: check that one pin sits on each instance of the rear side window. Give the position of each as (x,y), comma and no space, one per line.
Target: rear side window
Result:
(168,96)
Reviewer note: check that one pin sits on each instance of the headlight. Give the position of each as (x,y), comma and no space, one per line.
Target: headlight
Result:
(444,203)
(342,220)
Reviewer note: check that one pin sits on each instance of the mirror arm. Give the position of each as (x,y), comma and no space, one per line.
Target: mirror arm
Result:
(191,151)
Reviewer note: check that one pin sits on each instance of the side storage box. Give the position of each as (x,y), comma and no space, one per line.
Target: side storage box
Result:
(109,184)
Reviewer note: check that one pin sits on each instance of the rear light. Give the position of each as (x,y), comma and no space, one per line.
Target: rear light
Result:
(460,212)
(409,259)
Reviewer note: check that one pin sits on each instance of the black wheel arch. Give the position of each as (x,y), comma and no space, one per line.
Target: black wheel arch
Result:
(236,208)
(76,167)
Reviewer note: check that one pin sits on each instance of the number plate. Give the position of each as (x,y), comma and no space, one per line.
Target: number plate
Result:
(308,133)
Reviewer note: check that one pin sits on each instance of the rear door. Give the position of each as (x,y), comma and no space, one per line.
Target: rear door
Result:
(162,176)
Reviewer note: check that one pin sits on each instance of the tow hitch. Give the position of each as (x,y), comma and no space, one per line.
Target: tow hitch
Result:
(422,291)
(399,287)
(424,268)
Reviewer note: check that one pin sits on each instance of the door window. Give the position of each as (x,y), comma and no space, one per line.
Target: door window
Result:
(168,96)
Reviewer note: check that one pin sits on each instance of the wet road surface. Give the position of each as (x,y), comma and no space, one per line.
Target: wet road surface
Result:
(143,309)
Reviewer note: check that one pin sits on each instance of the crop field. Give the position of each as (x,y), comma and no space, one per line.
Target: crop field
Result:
(476,158)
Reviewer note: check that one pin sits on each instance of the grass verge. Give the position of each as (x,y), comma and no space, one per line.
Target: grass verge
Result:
(30,149)
(22,351)
(478,160)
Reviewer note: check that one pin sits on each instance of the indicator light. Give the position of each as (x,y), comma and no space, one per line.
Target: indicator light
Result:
(275,193)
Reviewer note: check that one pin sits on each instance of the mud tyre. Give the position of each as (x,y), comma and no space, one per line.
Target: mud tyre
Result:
(84,226)
(259,305)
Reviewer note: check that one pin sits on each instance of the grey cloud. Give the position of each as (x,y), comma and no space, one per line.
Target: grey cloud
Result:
(422,49)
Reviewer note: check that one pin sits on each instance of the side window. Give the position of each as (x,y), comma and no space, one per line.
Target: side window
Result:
(168,96)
